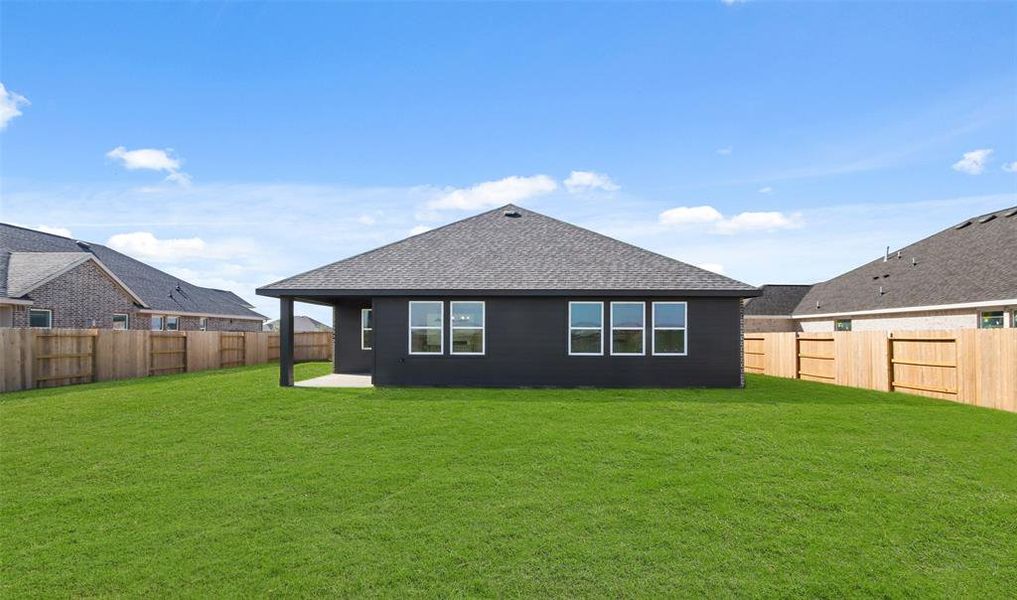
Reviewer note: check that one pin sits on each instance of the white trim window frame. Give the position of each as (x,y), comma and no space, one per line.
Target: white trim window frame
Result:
(202,323)
(685,329)
(176,323)
(365,319)
(482,328)
(49,318)
(152,320)
(599,330)
(127,321)
(440,328)
(641,329)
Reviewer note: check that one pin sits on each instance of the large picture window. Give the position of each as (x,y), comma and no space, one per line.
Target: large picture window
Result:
(467,326)
(366,329)
(427,321)
(586,328)
(40,317)
(670,328)
(628,321)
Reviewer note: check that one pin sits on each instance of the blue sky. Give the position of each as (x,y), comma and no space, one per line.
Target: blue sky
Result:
(775,142)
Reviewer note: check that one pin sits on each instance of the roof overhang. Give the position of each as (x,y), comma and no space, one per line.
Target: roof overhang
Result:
(909,309)
(332,293)
(16,301)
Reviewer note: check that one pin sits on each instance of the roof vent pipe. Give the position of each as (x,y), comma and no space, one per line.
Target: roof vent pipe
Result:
(914,261)
(886,256)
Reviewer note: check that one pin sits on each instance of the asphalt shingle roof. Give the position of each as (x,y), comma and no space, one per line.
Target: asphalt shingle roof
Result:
(26,270)
(527,252)
(158,289)
(975,262)
(776,300)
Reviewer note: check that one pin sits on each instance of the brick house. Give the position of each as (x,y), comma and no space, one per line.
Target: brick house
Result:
(52,281)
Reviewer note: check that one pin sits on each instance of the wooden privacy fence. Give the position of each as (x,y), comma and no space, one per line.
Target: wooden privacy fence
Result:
(972,366)
(36,358)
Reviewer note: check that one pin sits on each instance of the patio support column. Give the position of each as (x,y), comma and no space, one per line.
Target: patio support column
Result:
(285,342)
(335,338)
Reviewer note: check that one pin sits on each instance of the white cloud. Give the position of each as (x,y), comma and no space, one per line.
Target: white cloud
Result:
(366,220)
(690,215)
(151,159)
(759,221)
(420,229)
(687,216)
(54,230)
(582,181)
(725,151)
(766,190)
(732,2)
(973,163)
(144,245)
(10,105)
(710,266)
(495,193)
(1010,167)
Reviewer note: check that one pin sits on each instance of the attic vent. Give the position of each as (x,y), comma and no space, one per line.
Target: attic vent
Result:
(963,225)
(514,214)
(987,218)
(83,245)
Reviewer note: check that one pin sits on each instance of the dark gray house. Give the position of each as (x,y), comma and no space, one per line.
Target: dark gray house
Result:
(512,298)
(49,281)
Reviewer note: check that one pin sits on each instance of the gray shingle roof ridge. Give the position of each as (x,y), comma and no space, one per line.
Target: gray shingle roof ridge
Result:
(23,228)
(390,244)
(977,217)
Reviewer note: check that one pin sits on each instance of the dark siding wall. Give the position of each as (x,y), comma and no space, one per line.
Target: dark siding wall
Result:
(350,358)
(527,345)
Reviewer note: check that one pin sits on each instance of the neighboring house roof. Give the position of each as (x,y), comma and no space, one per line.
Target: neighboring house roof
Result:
(525,253)
(970,262)
(301,323)
(28,270)
(153,289)
(777,299)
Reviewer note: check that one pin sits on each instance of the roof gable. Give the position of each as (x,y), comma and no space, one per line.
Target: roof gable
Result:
(969,262)
(510,249)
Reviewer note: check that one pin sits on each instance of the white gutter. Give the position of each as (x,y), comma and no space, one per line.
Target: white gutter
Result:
(910,309)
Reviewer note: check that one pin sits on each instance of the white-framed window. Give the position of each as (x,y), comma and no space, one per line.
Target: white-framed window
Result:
(586,328)
(842,325)
(203,324)
(41,318)
(991,320)
(172,323)
(156,323)
(427,326)
(628,328)
(366,329)
(670,329)
(467,323)
(121,321)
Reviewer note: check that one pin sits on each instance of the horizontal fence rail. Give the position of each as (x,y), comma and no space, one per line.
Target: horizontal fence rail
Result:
(971,366)
(39,358)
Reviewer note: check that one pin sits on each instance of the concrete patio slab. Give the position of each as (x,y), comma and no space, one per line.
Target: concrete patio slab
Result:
(337,380)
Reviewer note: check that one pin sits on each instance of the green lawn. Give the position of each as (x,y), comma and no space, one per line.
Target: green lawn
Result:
(222,484)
